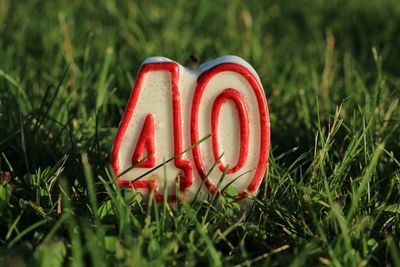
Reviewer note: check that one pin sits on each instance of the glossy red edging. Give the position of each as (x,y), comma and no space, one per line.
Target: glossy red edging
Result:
(180,162)
(237,98)
(264,123)
(145,141)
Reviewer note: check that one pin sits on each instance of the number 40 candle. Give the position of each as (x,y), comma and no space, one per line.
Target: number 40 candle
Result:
(193,130)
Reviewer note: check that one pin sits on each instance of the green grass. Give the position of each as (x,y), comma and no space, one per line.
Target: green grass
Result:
(331,73)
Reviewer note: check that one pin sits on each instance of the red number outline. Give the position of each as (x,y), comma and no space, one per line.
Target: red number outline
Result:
(146,140)
(180,162)
(237,98)
(264,124)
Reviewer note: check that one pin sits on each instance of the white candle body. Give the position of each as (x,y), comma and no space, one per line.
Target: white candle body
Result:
(171,109)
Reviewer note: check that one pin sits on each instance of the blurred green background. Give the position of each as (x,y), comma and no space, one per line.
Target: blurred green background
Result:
(331,73)
(104,42)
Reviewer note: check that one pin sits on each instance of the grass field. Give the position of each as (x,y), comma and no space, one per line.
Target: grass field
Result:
(331,73)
